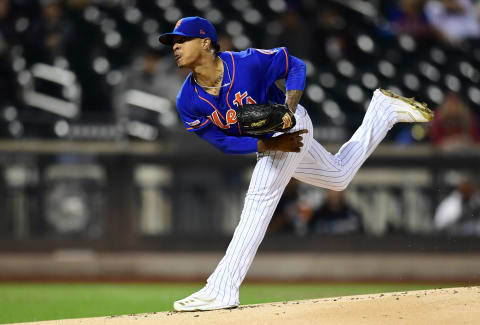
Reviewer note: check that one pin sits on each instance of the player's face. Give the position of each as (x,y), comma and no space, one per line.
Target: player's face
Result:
(186,50)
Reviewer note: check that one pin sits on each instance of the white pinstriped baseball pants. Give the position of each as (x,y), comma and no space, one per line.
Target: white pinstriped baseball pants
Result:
(313,165)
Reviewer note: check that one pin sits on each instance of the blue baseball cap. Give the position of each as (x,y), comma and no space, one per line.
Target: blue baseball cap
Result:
(196,27)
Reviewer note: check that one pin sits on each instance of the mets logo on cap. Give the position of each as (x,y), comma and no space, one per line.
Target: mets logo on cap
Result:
(178,23)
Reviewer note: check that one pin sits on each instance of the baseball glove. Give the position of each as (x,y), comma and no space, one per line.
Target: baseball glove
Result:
(258,119)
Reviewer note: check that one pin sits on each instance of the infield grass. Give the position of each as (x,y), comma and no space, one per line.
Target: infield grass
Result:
(35,302)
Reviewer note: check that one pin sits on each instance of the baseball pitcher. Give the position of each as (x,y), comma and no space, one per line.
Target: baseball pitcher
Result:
(231,100)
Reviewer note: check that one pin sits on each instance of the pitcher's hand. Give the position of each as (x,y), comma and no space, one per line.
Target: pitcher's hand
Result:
(287,142)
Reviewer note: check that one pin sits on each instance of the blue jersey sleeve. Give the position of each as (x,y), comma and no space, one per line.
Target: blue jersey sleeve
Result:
(192,119)
(279,64)
(226,143)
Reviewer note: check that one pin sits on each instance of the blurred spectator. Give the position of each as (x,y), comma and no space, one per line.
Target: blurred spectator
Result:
(7,40)
(459,212)
(50,34)
(225,43)
(7,25)
(292,32)
(78,4)
(153,74)
(454,126)
(330,36)
(407,17)
(453,20)
(291,213)
(150,73)
(335,216)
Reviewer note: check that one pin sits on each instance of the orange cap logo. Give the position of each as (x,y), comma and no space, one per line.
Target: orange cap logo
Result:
(178,23)
(202,32)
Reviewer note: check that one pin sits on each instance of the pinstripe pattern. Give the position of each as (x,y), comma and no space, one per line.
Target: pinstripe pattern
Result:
(322,169)
(272,173)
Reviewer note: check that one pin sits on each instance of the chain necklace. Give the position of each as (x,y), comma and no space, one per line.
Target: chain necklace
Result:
(217,80)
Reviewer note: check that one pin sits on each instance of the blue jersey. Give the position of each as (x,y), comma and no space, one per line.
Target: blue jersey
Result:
(251,76)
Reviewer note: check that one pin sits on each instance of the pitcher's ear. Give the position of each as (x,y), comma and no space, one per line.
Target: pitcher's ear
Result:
(205,43)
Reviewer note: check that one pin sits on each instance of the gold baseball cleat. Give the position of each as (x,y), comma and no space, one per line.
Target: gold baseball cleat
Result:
(408,109)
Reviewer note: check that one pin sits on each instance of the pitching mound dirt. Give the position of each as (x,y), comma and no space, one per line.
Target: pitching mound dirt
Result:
(440,306)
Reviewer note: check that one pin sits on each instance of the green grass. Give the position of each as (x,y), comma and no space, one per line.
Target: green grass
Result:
(36,302)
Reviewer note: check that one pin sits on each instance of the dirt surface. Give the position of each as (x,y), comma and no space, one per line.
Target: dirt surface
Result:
(439,306)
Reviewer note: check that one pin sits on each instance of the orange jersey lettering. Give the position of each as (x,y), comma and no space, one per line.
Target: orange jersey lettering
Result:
(231,116)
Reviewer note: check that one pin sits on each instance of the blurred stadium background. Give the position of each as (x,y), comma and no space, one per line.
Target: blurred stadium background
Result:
(99,180)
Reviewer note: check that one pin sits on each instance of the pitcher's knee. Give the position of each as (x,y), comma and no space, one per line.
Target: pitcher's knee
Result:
(339,187)
(343,184)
